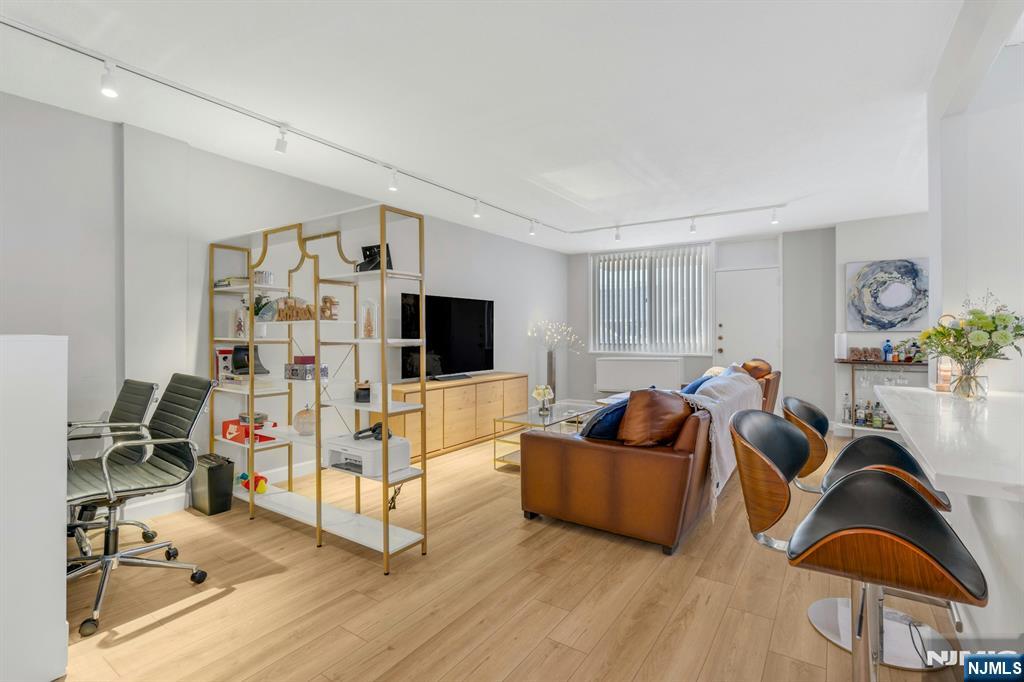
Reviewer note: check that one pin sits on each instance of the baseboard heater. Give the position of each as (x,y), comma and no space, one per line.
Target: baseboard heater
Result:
(629,373)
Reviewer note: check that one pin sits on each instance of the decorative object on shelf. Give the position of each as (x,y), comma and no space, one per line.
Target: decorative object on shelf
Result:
(555,335)
(840,346)
(371,258)
(223,362)
(233,281)
(235,431)
(855,353)
(259,479)
(886,294)
(303,368)
(983,332)
(543,394)
(362,393)
(259,418)
(368,315)
(240,323)
(264,278)
(240,361)
(304,421)
(328,308)
(293,309)
(943,374)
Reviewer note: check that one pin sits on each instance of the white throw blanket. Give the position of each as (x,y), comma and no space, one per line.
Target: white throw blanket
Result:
(723,397)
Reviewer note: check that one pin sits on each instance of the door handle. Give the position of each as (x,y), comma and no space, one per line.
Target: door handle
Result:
(720,350)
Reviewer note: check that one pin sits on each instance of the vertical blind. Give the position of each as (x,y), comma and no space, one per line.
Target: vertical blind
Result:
(652,301)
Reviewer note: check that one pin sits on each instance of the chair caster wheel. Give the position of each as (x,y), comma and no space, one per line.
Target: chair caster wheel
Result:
(88,627)
(198,577)
(171,553)
(148,535)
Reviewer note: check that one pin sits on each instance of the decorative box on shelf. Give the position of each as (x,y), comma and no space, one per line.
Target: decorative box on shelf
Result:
(303,368)
(235,430)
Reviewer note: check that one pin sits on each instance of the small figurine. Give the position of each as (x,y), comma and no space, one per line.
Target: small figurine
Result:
(261,482)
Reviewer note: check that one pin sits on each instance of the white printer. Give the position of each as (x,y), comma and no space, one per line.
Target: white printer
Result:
(363,457)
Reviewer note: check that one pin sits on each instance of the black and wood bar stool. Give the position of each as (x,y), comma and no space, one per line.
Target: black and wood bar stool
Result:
(866,452)
(870,526)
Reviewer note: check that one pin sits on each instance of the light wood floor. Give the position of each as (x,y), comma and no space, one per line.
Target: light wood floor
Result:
(497,598)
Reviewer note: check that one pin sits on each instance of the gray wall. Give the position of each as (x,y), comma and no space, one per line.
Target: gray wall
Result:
(60,241)
(808,314)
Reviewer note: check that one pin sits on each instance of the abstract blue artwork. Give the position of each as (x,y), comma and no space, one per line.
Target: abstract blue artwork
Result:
(887,294)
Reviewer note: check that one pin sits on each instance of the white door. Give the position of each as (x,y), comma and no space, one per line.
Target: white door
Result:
(747,316)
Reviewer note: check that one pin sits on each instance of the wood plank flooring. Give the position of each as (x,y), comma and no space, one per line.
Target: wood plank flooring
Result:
(497,598)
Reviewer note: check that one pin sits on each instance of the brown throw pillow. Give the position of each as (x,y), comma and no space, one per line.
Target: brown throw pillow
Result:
(653,417)
(757,368)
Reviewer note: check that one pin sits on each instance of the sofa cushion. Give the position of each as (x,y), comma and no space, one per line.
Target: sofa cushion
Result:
(653,417)
(604,424)
(757,368)
(692,387)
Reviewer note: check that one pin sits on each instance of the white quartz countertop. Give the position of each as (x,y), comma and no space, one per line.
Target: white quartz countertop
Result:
(972,448)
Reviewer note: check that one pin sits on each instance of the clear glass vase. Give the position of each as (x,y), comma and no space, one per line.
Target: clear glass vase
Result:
(970,387)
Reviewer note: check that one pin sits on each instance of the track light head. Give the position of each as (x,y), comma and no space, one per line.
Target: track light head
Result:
(618,234)
(108,81)
(393,183)
(281,146)
(476,208)
(693,226)
(775,217)
(533,228)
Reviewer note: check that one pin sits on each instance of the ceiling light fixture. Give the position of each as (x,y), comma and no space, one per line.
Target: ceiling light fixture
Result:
(281,146)
(775,217)
(393,184)
(693,226)
(108,81)
(476,208)
(618,234)
(533,227)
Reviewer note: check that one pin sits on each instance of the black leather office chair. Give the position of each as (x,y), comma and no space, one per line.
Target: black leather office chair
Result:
(870,526)
(126,418)
(158,458)
(867,452)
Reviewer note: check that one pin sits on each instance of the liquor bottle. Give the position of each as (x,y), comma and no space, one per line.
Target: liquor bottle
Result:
(887,350)
(859,415)
(876,420)
(868,415)
(847,416)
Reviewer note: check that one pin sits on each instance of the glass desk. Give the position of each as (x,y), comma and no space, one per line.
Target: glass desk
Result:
(566,416)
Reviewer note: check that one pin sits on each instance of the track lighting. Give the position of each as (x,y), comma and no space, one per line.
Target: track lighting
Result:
(693,226)
(775,217)
(533,227)
(393,185)
(476,208)
(618,235)
(281,146)
(108,81)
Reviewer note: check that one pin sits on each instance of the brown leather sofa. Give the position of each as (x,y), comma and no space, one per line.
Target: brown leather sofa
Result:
(656,494)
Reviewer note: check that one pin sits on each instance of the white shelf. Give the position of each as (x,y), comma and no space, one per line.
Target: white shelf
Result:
(265,445)
(261,391)
(244,289)
(394,406)
(288,433)
(363,530)
(392,343)
(371,274)
(233,341)
(866,429)
(282,323)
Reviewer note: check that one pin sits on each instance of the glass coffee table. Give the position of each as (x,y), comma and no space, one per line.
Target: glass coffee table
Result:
(565,416)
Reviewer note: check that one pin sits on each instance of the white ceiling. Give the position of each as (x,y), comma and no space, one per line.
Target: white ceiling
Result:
(578,114)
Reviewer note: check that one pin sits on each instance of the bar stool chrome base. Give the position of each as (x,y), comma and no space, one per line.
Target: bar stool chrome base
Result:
(904,640)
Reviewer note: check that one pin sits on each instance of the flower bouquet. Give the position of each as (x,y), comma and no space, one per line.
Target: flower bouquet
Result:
(982,332)
(542,393)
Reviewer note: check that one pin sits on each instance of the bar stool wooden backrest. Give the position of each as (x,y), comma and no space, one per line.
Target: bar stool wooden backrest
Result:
(770,452)
(814,424)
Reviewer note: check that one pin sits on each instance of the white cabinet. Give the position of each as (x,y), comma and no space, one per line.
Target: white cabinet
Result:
(33,483)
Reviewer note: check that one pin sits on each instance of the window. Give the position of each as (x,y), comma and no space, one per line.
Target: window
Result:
(652,301)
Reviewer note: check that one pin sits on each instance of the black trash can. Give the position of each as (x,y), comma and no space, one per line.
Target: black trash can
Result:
(211,486)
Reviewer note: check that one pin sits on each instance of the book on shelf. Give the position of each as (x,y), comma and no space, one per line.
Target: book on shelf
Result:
(230,282)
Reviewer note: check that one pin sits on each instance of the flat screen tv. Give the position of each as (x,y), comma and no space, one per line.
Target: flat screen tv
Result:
(460,335)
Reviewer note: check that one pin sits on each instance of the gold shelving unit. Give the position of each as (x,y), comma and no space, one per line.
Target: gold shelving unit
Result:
(380,535)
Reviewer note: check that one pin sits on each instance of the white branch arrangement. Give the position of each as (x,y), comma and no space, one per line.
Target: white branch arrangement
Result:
(555,335)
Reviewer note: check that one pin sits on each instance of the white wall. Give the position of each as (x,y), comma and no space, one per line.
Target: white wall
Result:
(808,314)
(983,201)
(60,241)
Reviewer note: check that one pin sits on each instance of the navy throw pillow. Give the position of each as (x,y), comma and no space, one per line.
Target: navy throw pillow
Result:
(604,424)
(692,387)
